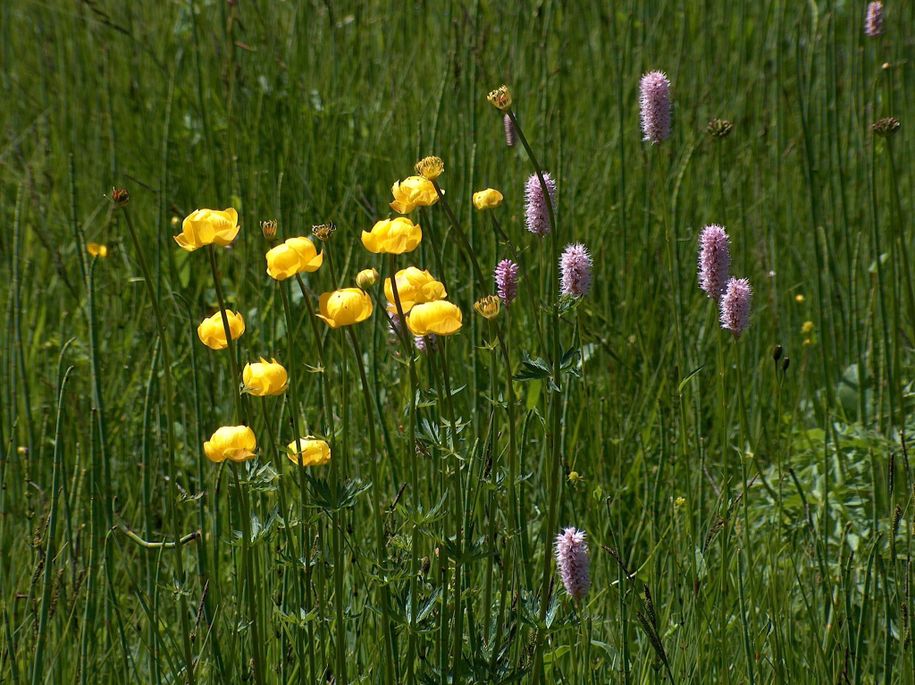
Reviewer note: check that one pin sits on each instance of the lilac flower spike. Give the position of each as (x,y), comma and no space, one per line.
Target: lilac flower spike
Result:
(575,265)
(511,135)
(735,306)
(873,20)
(573,562)
(536,214)
(654,101)
(506,277)
(714,260)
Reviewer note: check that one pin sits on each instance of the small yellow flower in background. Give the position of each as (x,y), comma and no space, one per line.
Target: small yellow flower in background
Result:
(413,192)
(344,307)
(679,502)
(439,317)
(575,477)
(367,278)
(292,257)
(22,450)
(313,452)
(208,227)
(393,236)
(265,378)
(500,98)
(430,168)
(799,298)
(807,327)
(488,307)
(235,443)
(175,222)
(414,286)
(97,249)
(487,199)
(213,334)
(808,341)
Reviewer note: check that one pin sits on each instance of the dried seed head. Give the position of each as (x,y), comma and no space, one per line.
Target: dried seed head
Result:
(886,126)
(777,353)
(430,168)
(120,197)
(323,231)
(488,307)
(268,228)
(501,98)
(719,128)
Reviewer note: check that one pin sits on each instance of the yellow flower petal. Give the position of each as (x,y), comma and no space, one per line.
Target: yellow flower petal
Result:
(344,307)
(440,317)
(265,378)
(487,199)
(235,443)
(311,451)
(212,332)
(208,227)
(393,236)
(414,286)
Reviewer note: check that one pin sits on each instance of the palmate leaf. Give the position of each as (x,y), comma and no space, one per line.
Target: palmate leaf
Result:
(331,499)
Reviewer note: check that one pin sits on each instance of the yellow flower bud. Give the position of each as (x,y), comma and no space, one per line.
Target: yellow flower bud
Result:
(487,199)
(97,249)
(799,298)
(414,286)
(500,98)
(393,236)
(235,443)
(488,307)
(413,192)
(439,317)
(208,227)
(212,333)
(265,378)
(312,452)
(367,278)
(430,168)
(292,257)
(344,307)
(679,502)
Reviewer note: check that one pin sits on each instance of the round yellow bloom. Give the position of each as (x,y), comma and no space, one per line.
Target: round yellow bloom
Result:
(344,307)
(235,443)
(430,167)
(208,227)
(799,298)
(213,334)
(414,286)
(439,317)
(487,199)
(313,452)
(488,307)
(393,236)
(293,257)
(97,249)
(265,378)
(367,278)
(413,192)
(807,327)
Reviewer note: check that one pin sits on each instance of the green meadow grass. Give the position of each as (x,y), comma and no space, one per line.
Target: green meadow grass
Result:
(749,519)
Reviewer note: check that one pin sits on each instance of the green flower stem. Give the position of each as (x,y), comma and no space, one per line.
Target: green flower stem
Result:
(171,442)
(233,360)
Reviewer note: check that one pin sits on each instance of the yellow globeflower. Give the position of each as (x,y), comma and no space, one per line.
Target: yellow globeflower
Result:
(312,451)
(293,257)
(265,378)
(344,307)
(367,278)
(208,227)
(213,334)
(487,199)
(393,236)
(414,286)
(430,167)
(439,317)
(235,443)
(97,249)
(413,192)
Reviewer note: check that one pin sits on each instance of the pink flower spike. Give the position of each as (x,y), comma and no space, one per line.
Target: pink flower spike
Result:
(873,20)
(536,213)
(735,306)
(575,266)
(506,277)
(654,102)
(714,260)
(572,560)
